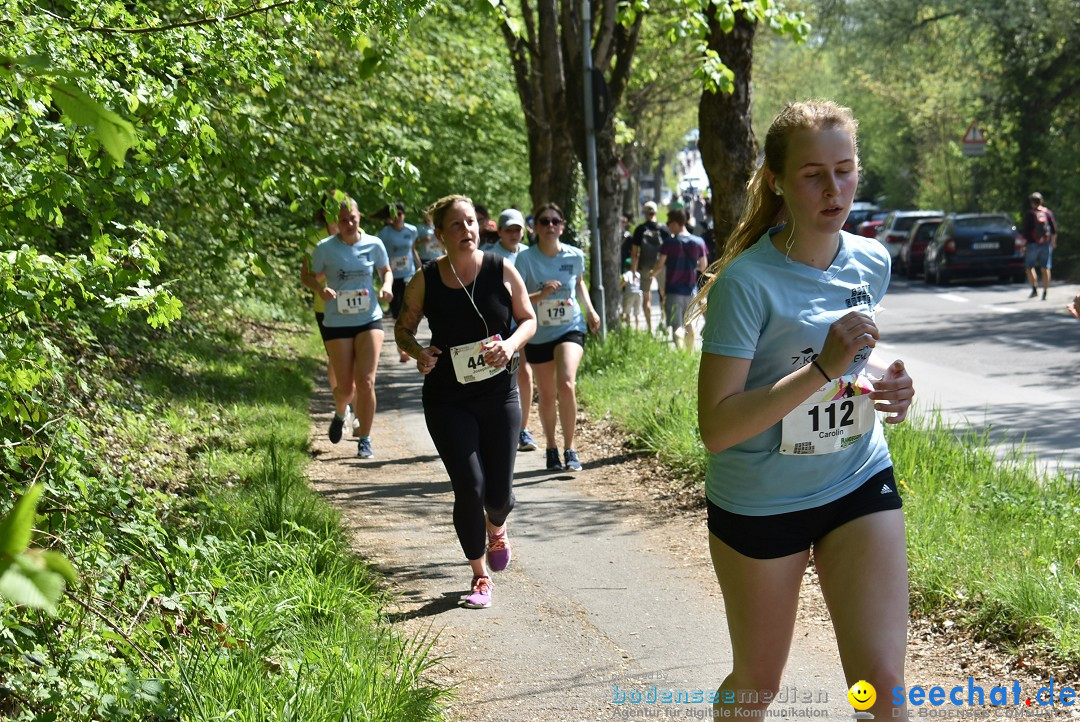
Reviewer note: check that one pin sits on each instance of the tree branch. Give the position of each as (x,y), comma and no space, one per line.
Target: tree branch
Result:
(146,657)
(171,26)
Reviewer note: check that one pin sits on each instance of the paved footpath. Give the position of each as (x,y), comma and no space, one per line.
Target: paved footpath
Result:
(599,599)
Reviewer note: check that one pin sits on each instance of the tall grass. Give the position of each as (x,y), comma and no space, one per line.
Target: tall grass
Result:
(307,641)
(990,540)
(649,390)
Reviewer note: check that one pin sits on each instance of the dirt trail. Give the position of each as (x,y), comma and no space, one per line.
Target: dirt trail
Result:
(609,590)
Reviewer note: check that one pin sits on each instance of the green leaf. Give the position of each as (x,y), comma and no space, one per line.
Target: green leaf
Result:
(116,134)
(15,528)
(60,565)
(37,588)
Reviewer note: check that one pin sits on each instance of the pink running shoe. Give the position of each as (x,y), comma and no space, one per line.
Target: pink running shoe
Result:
(481,593)
(498,551)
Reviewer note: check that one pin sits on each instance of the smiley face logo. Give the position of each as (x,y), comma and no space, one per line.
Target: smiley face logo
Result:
(862,695)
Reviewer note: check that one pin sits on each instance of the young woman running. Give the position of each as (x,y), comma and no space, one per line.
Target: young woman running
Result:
(471,300)
(554,274)
(786,407)
(347,263)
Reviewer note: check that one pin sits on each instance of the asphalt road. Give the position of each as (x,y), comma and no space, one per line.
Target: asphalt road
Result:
(987,355)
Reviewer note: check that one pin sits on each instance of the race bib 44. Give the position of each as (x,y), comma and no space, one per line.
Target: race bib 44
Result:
(469,364)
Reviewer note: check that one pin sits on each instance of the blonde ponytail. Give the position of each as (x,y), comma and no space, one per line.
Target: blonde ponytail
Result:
(763,208)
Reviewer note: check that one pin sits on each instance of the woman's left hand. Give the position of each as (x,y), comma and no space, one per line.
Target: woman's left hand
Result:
(498,353)
(594,321)
(386,295)
(894,391)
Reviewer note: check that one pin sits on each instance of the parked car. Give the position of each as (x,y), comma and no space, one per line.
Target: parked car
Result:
(873,222)
(913,250)
(894,231)
(860,211)
(975,244)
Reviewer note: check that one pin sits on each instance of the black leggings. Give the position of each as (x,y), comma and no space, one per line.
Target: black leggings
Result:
(477,439)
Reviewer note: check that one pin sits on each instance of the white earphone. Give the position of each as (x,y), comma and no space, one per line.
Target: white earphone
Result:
(779,190)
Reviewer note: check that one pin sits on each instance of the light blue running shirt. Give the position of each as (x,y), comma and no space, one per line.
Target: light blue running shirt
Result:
(499,250)
(350,268)
(777,313)
(399,246)
(566,267)
(430,247)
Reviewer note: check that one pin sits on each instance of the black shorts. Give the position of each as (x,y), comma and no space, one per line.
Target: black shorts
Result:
(541,353)
(319,316)
(778,535)
(332,333)
(398,289)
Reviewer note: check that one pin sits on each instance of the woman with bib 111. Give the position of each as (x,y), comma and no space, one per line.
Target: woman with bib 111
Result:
(471,300)
(786,404)
(554,274)
(347,262)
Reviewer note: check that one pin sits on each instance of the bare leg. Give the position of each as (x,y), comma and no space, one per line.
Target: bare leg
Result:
(761,597)
(544,375)
(863,571)
(567,358)
(367,345)
(524,379)
(342,356)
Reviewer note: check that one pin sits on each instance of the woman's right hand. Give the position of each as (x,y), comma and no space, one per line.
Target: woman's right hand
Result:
(426,361)
(549,288)
(328,294)
(847,337)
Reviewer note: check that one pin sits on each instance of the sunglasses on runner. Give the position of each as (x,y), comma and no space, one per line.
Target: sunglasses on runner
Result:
(550,221)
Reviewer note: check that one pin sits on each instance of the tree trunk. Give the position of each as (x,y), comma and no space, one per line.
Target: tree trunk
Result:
(609,188)
(728,147)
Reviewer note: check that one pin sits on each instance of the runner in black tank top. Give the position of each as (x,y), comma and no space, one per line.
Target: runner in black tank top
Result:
(471,407)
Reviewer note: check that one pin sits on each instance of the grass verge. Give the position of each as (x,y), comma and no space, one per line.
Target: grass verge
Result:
(991,544)
(214,583)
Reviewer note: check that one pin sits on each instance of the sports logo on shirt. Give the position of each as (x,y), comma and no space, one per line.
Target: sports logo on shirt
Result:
(860,296)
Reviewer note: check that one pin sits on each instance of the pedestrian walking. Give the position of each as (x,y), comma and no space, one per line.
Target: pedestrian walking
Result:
(1040,232)
(631,296)
(342,271)
(786,401)
(554,274)
(681,259)
(472,300)
(649,236)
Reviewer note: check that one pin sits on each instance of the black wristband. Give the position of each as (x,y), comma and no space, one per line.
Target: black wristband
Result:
(818,367)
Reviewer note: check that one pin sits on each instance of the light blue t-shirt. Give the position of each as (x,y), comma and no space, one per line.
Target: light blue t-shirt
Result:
(566,266)
(499,250)
(399,246)
(430,248)
(350,268)
(777,313)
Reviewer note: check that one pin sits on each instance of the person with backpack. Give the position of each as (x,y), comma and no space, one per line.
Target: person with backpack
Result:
(1040,232)
(644,251)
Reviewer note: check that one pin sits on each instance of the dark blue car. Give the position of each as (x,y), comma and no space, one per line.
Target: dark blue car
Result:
(972,245)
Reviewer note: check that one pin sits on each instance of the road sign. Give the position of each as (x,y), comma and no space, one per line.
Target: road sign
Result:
(974,141)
